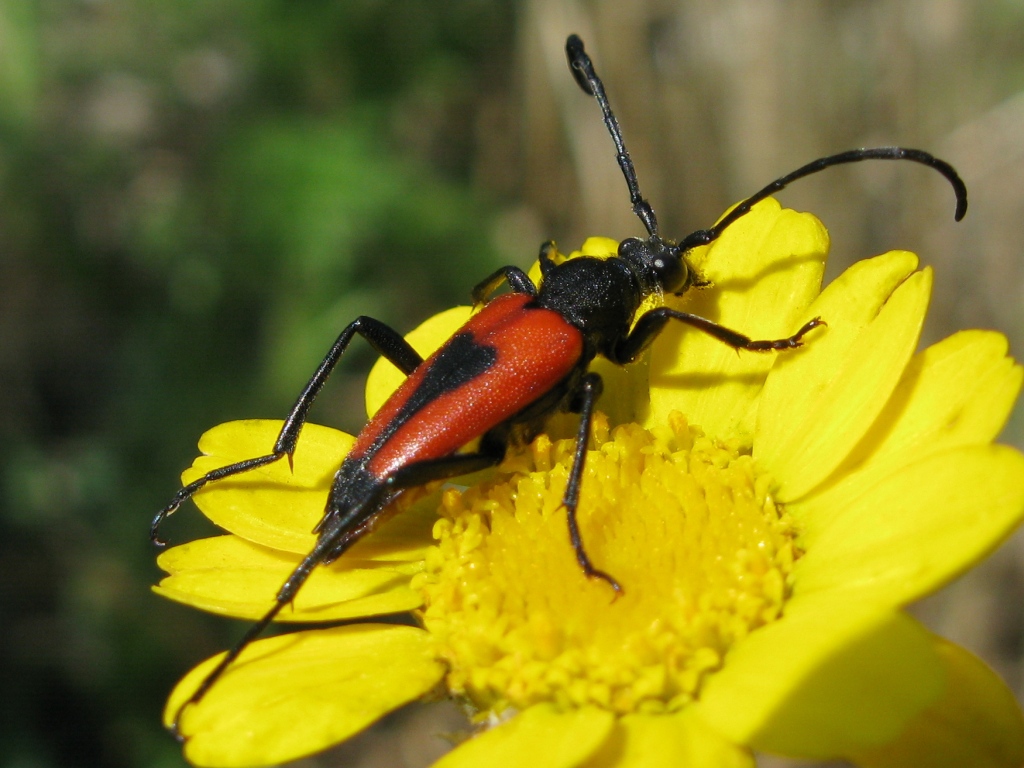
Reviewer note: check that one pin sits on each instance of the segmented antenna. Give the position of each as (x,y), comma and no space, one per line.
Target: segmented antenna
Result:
(583,71)
(705,236)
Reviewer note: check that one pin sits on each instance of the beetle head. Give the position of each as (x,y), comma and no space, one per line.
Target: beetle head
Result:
(658,264)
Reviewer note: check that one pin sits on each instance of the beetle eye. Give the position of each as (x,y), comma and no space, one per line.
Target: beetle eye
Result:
(660,263)
(671,271)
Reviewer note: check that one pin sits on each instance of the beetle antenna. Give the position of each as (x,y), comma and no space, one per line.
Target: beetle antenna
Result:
(705,236)
(583,71)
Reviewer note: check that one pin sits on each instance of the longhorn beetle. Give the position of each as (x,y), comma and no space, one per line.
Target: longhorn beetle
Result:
(522,357)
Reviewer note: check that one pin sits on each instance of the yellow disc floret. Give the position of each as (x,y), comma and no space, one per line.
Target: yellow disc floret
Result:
(683,523)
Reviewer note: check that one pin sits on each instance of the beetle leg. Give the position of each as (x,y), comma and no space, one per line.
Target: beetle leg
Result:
(517,280)
(333,542)
(387,341)
(423,472)
(651,324)
(544,257)
(284,596)
(345,526)
(589,391)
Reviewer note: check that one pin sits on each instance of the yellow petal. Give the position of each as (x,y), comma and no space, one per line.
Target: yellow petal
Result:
(278,508)
(625,399)
(824,680)
(830,393)
(599,247)
(385,378)
(957,392)
(917,528)
(766,268)
(847,304)
(679,740)
(976,723)
(270,505)
(233,577)
(540,737)
(293,695)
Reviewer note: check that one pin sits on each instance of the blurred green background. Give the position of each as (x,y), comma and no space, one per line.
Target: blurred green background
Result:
(195,197)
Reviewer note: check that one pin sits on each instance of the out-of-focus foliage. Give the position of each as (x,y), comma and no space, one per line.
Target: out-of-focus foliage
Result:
(195,197)
(194,200)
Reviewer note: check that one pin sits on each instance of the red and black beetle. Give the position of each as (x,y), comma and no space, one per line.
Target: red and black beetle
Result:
(522,357)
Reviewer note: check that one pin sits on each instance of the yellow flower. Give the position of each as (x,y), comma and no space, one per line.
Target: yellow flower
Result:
(768,517)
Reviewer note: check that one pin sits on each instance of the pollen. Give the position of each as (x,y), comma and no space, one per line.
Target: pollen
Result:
(682,522)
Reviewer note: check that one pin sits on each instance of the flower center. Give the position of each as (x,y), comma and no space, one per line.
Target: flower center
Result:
(681,522)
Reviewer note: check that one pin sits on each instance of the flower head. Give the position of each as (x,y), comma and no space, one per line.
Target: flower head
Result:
(768,517)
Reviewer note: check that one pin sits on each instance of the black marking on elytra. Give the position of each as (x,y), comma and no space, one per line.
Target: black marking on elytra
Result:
(460,361)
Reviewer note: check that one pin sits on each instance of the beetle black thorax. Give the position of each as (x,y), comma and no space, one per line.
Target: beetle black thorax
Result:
(598,296)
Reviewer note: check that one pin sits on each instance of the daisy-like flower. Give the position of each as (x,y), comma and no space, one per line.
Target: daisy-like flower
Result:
(768,516)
